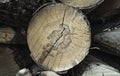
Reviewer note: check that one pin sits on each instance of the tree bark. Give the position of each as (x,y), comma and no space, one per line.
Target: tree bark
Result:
(92,66)
(110,40)
(96,67)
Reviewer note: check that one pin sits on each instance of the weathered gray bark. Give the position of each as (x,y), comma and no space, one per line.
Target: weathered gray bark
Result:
(110,40)
(91,66)
(96,67)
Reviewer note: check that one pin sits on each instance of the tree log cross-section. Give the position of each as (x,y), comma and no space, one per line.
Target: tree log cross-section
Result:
(82,4)
(58,37)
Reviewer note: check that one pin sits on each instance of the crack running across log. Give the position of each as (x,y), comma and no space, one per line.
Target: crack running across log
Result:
(47,52)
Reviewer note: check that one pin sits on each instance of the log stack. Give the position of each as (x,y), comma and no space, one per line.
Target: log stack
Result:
(56,35)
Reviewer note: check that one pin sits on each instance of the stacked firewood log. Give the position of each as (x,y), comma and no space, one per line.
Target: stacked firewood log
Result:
(60,37)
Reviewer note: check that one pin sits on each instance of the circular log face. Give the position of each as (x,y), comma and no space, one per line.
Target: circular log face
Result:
(58,37)
(82,3)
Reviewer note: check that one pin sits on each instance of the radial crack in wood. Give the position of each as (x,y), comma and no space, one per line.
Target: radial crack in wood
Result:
(58,37)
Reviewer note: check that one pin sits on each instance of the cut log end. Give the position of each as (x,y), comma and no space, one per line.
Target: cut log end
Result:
(82,4)
(58,37)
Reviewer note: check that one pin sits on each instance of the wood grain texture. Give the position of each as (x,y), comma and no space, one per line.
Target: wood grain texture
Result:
(58,37)
(82,4)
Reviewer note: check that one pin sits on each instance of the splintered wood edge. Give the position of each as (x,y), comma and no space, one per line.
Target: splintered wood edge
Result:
(98,2)
(77,62)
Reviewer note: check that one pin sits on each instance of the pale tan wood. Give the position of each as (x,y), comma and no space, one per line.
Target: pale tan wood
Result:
(48,73)
(82,4)
(58,37)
